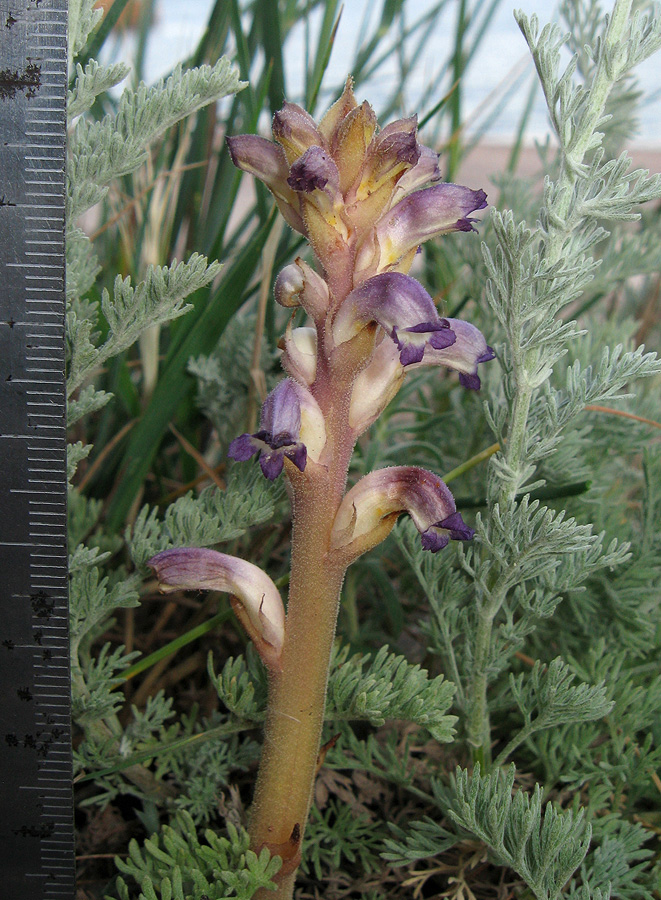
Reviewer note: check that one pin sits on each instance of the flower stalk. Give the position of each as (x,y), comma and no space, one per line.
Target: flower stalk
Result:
(365,199)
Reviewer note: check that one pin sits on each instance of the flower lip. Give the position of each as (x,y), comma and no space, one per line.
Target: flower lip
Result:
(471,380)
(314,170)
(424,172)
(464,355)
(438,536)
(438,335)
(278,435)
(398,142)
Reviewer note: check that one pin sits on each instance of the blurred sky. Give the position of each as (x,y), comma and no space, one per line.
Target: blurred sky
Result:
(502,56)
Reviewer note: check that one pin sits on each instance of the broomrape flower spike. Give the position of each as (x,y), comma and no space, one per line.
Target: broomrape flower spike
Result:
(365,199)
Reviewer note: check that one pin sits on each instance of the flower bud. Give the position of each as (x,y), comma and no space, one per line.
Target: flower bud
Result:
(300,353)
(295,130)
(375,386)
(331,121)
(353,137)
(299,285)
(267,162)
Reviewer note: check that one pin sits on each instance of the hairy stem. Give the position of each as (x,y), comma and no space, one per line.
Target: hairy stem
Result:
(297,693)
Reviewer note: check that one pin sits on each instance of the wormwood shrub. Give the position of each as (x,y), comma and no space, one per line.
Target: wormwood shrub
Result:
(491,720)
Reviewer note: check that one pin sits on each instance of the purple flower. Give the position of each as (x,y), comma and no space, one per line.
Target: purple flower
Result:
(390,156)
(315,170)
(468,351)
(258,604)
(424,172)
(425,214)
(391,153)
(370,509)
(402,307)
(291,427)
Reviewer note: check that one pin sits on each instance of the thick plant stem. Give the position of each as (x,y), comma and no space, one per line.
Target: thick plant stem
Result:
(342,190)
(297,693)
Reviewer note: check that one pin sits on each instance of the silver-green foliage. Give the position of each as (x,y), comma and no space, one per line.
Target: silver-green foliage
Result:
(584,597)
(619,862)
(176,865)
(117,145)
(544,846)
(373,689)
(212,517)
(98,153)
(528,555)
(90,82)
(131,310)
(548,698)
(338,836)
(387,686)
(94,596)
(82,19)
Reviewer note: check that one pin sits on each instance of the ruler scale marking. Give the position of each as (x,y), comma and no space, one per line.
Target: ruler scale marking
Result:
(36,837)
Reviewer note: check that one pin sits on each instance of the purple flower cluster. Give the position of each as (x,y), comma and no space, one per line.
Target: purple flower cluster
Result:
(365,199)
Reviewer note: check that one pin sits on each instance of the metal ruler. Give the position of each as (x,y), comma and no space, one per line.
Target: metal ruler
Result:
(36,809)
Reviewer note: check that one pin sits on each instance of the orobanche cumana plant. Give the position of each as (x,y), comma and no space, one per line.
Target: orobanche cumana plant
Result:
(523,757)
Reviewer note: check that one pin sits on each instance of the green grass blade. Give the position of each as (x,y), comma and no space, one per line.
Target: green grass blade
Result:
(213,40)
(481,30)
(271,34)
(325,44)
